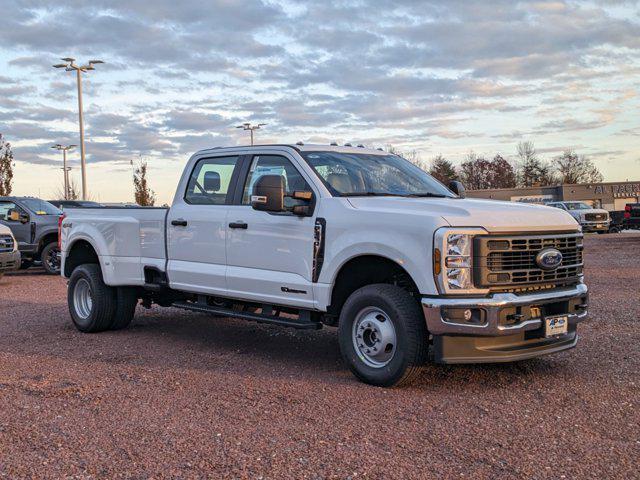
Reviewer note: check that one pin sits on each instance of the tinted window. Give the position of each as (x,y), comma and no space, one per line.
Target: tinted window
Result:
(274,165)
(5,208)
(40,207)
(210,181)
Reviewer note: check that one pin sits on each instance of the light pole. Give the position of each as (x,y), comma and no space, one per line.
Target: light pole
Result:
(251,128)
(70,66)
(66,169)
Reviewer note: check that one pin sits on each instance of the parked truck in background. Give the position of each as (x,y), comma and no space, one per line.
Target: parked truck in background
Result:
(590,219)
(307,236)
(9,253)
(34,223)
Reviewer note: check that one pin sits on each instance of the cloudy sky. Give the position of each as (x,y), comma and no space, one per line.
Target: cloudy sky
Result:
(438,77)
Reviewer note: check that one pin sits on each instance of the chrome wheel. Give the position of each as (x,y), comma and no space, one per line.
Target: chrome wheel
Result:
(82,299)
(374,337)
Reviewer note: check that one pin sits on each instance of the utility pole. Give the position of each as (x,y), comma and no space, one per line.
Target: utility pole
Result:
(251,128)
(66,169)
(70,66)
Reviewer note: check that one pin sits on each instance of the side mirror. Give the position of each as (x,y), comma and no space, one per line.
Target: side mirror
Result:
(457,188)
(16,216)
(268,193)
(211,181)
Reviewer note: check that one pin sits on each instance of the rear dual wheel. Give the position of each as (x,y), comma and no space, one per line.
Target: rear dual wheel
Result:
(95,306)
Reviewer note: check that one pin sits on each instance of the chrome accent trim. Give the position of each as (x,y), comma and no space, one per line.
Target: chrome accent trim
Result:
(431,307)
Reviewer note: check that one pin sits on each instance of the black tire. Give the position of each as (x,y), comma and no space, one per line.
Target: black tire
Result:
(126,302)
(50,257)
(99,316)
(615,229)
(24,264)
(408,323)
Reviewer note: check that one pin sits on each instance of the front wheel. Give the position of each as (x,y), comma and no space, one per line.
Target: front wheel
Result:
(91,302)
(51,258)
(382,335)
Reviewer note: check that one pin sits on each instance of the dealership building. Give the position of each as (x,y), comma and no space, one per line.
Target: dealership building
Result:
(609,195)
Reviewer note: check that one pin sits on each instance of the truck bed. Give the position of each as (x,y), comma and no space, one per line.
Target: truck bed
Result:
(127,239)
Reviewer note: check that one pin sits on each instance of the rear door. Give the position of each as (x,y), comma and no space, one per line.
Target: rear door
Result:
(270,255)
(197,227)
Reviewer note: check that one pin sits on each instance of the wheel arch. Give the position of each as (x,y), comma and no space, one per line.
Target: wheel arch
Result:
(367,269)
(79,252)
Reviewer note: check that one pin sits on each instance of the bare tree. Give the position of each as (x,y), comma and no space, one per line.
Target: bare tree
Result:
(476,172)
(573,168)
(532,171)
(144,196)
(6,167)
(73,193)
(443,170)
(503,174)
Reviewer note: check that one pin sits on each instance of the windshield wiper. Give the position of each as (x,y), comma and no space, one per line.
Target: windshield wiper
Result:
(370,194)
(427,194)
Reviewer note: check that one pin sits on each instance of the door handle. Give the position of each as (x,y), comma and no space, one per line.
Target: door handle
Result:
(238,224)
(179,222)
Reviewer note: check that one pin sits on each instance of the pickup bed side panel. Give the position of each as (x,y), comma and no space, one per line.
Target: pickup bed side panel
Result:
(125,239)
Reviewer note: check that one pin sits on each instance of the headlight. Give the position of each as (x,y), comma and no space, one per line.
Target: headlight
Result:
(453,260)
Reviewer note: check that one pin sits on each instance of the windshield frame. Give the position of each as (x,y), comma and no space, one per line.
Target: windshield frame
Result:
(444,193)
(586,206)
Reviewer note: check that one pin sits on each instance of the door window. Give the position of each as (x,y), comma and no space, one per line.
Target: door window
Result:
(5,210)
(210,181)
(274,165)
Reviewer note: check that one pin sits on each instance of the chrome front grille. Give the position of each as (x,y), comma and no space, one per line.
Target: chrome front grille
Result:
(505,261)
(6,243)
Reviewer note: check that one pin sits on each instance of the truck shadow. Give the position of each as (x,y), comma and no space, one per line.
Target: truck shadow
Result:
(168,338)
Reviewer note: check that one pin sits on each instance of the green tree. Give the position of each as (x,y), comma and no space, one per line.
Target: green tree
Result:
(144,196)
(6,167)
(443,170)
(573,168)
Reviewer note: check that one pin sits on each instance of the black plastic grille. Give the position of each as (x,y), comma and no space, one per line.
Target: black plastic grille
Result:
(595,217)
(6,243)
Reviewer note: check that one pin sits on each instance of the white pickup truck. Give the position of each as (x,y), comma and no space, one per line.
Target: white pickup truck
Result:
(310,235)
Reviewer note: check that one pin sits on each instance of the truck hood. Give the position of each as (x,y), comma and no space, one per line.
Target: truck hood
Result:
(493,215)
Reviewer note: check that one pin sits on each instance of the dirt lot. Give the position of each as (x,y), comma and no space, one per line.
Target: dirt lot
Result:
(185,395)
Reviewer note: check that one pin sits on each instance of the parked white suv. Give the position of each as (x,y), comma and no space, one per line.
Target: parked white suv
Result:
(590,219)
(311,235)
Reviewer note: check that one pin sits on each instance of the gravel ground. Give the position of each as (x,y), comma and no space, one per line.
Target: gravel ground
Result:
(184,395)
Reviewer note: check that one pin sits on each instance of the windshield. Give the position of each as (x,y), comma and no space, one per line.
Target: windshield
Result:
(40,207)
(577,206)
(355,174)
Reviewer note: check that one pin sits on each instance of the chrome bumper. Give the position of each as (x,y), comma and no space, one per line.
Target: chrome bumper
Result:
(9,261)
(492,306)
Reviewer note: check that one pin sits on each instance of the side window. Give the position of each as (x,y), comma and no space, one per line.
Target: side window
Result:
(5,209)
(274,165)
(210,180)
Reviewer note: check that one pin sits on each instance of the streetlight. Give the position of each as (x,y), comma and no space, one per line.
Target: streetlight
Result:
(251,128)
(70,66)
(66,169)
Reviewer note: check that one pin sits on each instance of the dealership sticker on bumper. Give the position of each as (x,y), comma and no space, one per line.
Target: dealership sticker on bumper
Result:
(555,325)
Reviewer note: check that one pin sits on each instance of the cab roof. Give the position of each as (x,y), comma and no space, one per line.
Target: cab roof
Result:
(300,147)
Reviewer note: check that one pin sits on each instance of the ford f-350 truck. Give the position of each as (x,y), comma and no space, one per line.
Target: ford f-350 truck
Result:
(310,235)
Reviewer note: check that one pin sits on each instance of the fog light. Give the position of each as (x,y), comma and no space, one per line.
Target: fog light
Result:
(469,316)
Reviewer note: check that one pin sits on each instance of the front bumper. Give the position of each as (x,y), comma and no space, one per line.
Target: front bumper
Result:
(507,326)
(600,226)
(9,261)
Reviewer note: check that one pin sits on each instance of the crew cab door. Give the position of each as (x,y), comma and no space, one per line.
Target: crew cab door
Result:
(20,229)
(270,255)
(197,227)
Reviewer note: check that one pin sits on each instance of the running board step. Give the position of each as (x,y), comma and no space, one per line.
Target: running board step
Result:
(256,317)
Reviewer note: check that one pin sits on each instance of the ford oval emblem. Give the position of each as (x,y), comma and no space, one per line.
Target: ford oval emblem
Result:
(549,259)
